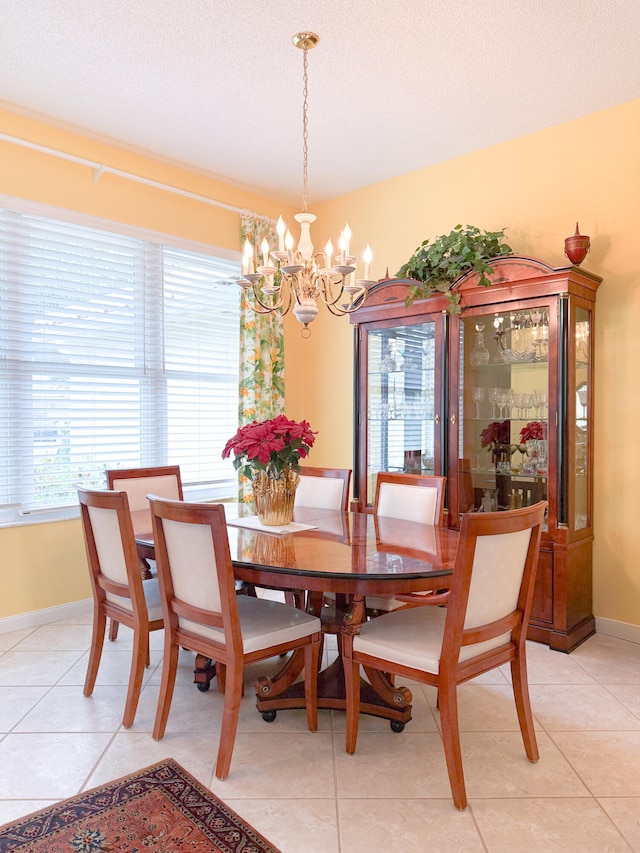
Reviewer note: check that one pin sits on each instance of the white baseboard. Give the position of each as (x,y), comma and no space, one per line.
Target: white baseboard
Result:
(44,617)
(621,630)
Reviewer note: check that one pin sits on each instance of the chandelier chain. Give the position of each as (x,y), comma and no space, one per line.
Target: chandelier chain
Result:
(305,129)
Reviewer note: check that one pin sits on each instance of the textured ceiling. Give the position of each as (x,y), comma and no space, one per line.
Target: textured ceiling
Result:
(394,85)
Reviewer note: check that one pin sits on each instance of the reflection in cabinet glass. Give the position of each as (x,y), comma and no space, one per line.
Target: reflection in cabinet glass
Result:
(400,400)
(582,420)
(499,400)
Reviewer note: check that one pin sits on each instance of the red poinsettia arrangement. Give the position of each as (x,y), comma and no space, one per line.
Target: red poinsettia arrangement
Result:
(270,445)
(498,432)
(533,430)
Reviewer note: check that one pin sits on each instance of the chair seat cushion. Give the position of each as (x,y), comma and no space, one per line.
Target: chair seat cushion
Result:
(411,637)
(263,623)
(151,594)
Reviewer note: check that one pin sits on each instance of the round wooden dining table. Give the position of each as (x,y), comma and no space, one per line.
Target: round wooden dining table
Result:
(352,555)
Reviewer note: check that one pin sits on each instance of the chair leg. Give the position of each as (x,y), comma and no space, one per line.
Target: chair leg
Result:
(95,652)
(230,711)
(447,694)
(311,657)
(523,706)
(221,673)
(113,629)
(352,696)
(139,660)
(169,670)
(295,598)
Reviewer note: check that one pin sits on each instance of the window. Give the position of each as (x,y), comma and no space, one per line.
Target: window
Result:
(114,352)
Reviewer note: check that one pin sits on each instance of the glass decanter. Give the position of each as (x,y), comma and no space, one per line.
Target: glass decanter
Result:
(479,354)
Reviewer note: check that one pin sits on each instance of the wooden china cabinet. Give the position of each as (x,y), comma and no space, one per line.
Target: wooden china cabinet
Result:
(499,399)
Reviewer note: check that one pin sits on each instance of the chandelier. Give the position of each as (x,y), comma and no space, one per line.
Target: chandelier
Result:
(298,279)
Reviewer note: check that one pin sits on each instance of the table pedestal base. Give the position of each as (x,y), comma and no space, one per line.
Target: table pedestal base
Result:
(387,701)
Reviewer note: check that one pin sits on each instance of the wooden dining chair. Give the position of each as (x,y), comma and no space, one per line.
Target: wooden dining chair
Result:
(118,589)
(483,626)
(162,480)
(412,497)
(203,614)
(320,488)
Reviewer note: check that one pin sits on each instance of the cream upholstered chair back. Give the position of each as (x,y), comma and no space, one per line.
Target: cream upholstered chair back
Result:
(194,568)
(323,488)
(104,528)
(112,557)
(163,481)
(496,580)
(492,584)
(413,497)
(410,497)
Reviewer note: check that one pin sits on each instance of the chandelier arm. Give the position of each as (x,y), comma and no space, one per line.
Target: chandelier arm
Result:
(255,308)
(356,301)
(327,295)
(340,312)
(277,309)
(268,308)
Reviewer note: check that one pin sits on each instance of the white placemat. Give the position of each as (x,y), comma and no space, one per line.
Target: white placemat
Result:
(254,523)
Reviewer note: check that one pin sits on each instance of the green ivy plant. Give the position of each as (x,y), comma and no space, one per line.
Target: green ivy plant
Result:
(437,265)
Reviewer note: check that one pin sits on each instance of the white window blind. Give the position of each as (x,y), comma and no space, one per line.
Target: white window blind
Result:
(114,352)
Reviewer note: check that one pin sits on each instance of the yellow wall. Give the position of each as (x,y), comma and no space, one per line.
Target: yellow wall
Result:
(44,565)
(537,187)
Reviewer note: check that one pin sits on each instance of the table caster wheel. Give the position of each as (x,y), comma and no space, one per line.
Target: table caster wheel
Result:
(396,726)
(203,686)
(269,716)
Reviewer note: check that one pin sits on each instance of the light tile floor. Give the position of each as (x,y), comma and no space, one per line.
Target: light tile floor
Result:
(303,791)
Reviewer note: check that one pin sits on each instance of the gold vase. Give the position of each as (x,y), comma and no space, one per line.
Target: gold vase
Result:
(274,496)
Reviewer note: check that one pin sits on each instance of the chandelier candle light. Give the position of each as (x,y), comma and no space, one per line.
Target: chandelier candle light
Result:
(286,278)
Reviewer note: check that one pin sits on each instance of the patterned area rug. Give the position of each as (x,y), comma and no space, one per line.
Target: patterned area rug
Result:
(162,808)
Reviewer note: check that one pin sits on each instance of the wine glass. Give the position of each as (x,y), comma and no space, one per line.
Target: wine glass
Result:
(501,400)
(527,403)
(510,402)
(540,399)
(478,397)
(493,399)
(518,402)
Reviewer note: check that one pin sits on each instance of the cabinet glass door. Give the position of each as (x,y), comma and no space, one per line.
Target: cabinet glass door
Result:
(504,407)
(581,439)
(401,394)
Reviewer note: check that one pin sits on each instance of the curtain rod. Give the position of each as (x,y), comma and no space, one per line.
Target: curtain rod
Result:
(98,169)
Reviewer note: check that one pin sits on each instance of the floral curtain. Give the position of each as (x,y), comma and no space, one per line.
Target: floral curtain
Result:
(261,393)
